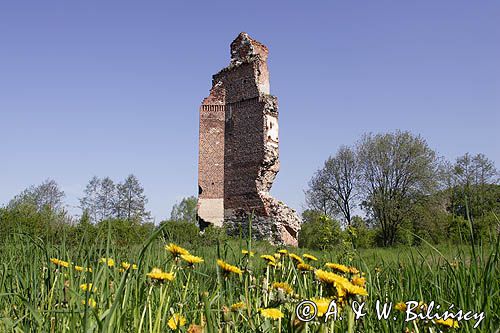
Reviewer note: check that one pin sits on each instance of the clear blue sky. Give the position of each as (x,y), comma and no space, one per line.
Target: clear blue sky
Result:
(110,88)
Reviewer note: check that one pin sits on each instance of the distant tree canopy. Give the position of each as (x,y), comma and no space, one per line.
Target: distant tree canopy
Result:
(120,208)
(472,186)
(47,195)
(402,186)
(332,188)
(38,210)
(406,192)
(103,199)
(185,210)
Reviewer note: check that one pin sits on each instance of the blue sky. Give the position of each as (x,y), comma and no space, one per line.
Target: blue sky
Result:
(110,88)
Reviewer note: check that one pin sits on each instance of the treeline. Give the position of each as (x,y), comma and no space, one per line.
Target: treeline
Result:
(387,189)
(405,192)
(107,207)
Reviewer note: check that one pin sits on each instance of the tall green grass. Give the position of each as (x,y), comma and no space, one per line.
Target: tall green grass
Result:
(38,296)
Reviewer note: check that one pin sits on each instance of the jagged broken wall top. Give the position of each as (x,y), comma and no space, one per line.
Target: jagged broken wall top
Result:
(248,162)
(249,108)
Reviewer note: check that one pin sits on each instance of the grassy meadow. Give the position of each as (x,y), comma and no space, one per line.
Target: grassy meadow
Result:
(100,287)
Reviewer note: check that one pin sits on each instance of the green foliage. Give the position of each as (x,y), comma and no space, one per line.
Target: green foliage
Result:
(320,232)
(103,199)
(45,196)
(212,236)
(185,210)
(28,218)
(179,232)
(428,220)
(123,232)
(361,235)
(475,200)
(395,168)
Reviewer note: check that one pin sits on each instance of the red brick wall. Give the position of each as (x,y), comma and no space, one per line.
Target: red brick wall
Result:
(211,146)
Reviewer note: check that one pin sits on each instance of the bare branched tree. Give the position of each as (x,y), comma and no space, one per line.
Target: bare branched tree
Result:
(332,188)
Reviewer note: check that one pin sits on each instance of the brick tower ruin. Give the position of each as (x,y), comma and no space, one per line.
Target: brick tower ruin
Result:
(238,157)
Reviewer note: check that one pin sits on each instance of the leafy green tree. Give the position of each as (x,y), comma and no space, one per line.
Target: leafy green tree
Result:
(474,190)
(395,169)
(361,235)
(185,210)
(37,211)
(319,232)
(47,195)
(429,219)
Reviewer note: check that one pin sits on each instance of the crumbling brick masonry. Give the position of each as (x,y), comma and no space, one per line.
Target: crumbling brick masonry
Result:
(238,157)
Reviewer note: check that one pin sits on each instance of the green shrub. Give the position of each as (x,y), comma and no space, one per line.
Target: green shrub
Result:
(124,232)
(361,235)
(181,233)
(320,233)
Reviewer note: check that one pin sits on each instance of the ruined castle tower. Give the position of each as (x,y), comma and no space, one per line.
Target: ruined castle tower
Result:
(238,158)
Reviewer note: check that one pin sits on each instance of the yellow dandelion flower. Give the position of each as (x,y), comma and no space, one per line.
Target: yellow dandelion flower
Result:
(193,328)
(351,289)
(322,304)
(358,281)
(247,253)
(305,267)
(125,265)
(272,313)
(400,306)
(91,302)
(176,250)
(59,262)
(343,286)
(283,251)
(238,306)
(330,278)
(191,260)
(296,258)
(310,257)
(337,267)
(176,321)
(341,292)
(448,322)
(268,258)
(108,261)
(82,269)
(227,268)
(353,270)
(159,275)
(87,286)
(277,255)
(285,287)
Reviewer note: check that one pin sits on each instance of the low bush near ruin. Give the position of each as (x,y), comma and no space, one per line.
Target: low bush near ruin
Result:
(241,286)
